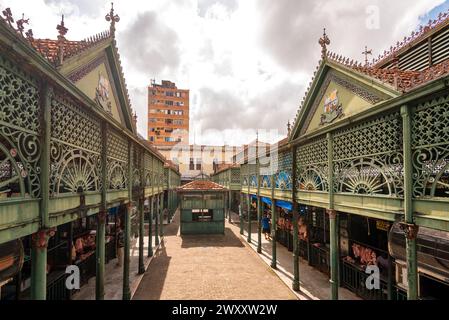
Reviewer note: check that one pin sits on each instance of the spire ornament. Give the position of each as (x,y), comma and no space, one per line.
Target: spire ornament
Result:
(62,30)
(366,53)
(8,16)
(113,18)
(21,22)
(324,42)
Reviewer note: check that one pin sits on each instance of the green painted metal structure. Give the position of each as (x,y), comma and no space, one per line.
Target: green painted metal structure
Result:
(67,157)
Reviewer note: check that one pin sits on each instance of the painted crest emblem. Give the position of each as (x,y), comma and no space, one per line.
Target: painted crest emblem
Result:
(332,108)
(102,93)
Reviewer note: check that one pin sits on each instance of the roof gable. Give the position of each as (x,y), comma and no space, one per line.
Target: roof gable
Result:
(336,93)
(97,72)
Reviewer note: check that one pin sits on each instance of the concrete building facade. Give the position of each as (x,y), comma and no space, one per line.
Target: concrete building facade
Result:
(168,114)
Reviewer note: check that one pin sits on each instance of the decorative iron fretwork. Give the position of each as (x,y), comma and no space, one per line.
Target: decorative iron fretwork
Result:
(430,145)
(113,18)
(19,130)
(368,157)
(75,149)
(312,164)
(72,125)
(117,161)
(235,175)
(313,178)
(86,69)
(73,170)
(283,180)
(266,182)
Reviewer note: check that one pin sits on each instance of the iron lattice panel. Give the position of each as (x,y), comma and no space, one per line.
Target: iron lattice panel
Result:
(381,135)
(313,152)
(430,144)
(368,158)
(235,175)
(312,166)
(283,178)
(19,129)
(70,124)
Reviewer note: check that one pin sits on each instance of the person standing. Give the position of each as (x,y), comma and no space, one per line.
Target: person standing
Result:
(266,227)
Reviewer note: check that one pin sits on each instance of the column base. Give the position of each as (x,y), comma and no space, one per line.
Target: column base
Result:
(295,285)
(150,254)
(126,295)
(273,265)
(259,250)
(141,269)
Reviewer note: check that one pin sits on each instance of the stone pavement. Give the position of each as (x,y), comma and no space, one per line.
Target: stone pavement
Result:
(114,275)
(208,267)
(314,285)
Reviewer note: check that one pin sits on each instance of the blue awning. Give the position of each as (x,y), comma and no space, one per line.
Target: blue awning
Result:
(284,204)
(266,200)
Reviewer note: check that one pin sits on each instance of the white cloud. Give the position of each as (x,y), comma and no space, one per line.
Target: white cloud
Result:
(246,62)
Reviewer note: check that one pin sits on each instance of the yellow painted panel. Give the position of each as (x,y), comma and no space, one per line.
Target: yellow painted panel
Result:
(95,80)
(351,104)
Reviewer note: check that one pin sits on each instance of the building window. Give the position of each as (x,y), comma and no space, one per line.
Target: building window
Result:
(191,164)
(168,103)
(178,122)
(198,164)
(151,138)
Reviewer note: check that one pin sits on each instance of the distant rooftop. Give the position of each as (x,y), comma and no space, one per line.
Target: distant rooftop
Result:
(202,185)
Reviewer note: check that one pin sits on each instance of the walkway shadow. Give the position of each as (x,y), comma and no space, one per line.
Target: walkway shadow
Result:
(152,284)
(229,239)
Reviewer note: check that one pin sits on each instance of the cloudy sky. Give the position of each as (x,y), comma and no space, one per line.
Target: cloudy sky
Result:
(247,63)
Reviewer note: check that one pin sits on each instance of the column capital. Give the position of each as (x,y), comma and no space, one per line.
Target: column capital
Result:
(40,238)
(332,213)
(101,216)
(410,230)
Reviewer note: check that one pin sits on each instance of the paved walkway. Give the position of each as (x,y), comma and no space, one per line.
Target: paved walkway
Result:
(209,267)
(314,284)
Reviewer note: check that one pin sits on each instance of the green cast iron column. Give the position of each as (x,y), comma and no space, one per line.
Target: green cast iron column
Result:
(229,209)
(161,209)
(100,249)
(39,265)
(100,246)
(150,227)
(127,231)
(39,249)
(259,209)
(409,227)
(249,218)
(241,214)
(273,233)
(295,284)
(273,224)
(156,221)
(334,254)
(141,233)
(259,229)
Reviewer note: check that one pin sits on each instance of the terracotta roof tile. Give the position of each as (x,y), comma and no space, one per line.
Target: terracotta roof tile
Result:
(49,48)
(202,185)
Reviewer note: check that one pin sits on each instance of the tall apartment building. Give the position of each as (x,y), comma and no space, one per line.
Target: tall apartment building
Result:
(168,114)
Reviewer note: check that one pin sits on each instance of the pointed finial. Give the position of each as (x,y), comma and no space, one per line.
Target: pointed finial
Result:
(61,39)
(288,128)
(324,42)
(61,28)
(113,19)
(21,22)
(366,53)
